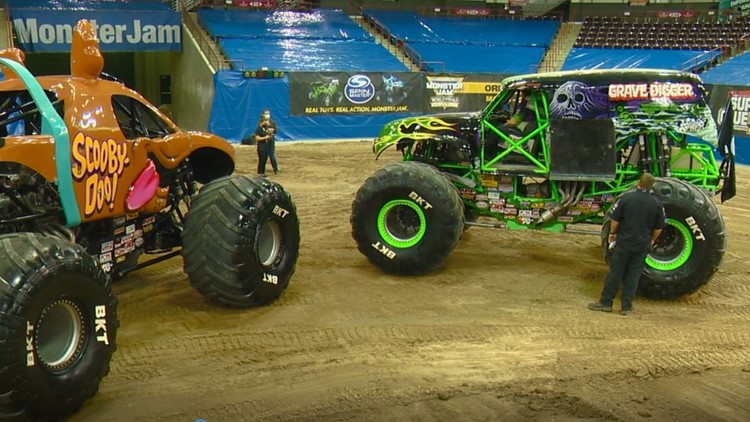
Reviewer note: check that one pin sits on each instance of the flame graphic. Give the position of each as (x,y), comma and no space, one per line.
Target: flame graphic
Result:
(414,128)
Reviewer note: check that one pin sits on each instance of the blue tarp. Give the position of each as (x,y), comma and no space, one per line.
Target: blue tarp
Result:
(732,72)
(424,29)
(311,55)
(319,40)
(615,58)
(238,102)
(507,46)
(479,58)
(324,24)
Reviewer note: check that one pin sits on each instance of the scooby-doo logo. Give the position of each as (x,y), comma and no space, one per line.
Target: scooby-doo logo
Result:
(100,164)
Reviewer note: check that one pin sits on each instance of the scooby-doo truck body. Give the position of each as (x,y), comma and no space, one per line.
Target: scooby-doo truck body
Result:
(93,180)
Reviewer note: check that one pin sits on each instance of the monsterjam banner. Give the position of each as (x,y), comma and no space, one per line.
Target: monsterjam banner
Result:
(326,93)
(453,92)
(122,30)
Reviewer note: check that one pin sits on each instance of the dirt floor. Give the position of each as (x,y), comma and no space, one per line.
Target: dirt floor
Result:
(501,332)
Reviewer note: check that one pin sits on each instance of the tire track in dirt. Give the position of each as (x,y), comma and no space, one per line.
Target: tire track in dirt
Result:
(276,344)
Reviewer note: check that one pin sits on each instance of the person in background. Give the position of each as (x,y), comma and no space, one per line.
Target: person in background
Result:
(638,218)
(265,135)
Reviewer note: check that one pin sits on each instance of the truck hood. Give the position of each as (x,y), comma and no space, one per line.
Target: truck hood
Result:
(444,126)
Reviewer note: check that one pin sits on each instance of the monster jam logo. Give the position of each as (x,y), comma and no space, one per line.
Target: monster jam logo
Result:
(445,89)
(100,164)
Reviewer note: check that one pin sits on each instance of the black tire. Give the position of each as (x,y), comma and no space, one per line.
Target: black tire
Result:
(691,247)
(241,241)
(58,326)
(407,218)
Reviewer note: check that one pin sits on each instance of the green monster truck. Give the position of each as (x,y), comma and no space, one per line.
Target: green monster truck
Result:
(577,141)
(94,183)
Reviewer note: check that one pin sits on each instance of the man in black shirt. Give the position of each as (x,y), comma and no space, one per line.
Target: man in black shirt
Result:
(265,135)
(637,221)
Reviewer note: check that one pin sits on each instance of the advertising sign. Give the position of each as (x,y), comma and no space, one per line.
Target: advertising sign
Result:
(743,6)
(452,92)
(52,31)
(320,93)
(740,97)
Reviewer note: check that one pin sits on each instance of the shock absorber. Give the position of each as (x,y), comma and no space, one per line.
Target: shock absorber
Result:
(645,155)
(666,155)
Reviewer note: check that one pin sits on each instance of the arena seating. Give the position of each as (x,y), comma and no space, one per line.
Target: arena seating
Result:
(682,44)
(615,32)
(318,40)
(509,46)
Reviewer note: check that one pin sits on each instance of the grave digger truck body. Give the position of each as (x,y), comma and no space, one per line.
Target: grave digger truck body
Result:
(579,140)
(94,183)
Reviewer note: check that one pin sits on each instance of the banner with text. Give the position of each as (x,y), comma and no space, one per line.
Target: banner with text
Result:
(742,6)
(122,30)
(740,105)
(452,92)
(321,93)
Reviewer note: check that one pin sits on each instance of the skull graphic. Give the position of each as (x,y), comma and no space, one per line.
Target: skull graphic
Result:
(576,100)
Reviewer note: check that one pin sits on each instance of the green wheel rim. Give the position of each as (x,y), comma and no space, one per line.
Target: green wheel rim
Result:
(401,223)
(679,237)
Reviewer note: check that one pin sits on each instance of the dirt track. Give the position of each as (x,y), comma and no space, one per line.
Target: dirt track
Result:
(501,332)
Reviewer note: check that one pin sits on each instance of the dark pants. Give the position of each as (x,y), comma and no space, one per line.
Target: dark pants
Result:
(263,154)
(626,267)
(272,156)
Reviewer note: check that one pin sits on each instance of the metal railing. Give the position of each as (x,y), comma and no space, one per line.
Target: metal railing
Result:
(209,47)
(556,51)
(395,45)
(707,60)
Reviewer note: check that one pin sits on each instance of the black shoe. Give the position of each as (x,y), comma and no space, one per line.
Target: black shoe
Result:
(596,306)
(625,312)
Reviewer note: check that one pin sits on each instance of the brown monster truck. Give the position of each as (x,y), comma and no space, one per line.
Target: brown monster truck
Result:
(92,177)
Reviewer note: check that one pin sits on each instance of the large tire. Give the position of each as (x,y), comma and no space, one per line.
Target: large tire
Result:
(691,247)
(58,326)
(241,241)
(407,218)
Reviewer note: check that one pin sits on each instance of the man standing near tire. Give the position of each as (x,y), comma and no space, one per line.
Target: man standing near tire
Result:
(638,218)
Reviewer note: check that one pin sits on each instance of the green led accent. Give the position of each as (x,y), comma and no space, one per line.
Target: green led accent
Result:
(386,234)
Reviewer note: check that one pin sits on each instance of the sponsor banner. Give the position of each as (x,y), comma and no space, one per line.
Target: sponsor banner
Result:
(453,92)
(122,30)
(257,4)
(471,11)
(321,93)
(676,14)
(740,97)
